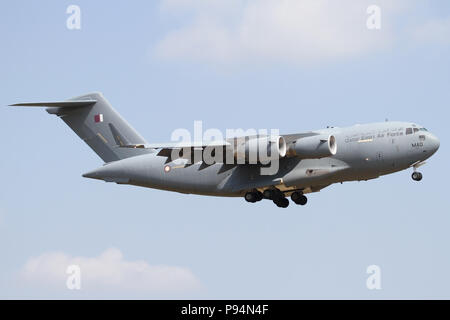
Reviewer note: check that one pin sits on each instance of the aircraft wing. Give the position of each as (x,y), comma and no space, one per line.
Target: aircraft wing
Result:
(288,138)
(216,143)
(188,144)
(165,149)
(294,137)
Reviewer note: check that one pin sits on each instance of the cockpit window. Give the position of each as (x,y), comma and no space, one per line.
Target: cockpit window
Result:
(415,130)
(409,131)
(423,129)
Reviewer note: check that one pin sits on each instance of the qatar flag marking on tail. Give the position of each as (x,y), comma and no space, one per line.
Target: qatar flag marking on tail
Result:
(98,118)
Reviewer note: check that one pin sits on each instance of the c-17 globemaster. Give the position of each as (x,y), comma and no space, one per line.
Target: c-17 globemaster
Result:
(307,162)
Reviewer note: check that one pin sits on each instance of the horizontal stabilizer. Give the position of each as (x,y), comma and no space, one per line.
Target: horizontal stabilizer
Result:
(61,104)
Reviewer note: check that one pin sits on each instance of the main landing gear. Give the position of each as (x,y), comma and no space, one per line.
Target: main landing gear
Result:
(253,196)
(281,202)
(277,196)
(299,198)
(416,176)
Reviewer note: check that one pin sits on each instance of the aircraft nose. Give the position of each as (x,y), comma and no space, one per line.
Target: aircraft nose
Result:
(434,142)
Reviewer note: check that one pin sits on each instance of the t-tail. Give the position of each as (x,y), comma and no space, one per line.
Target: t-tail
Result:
(96,122)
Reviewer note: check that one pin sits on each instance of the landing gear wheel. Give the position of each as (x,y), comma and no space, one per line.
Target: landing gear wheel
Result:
(259,196)
(281,202)
(302,200)
(416,176)
(268,194)
(299,198)
(251,197)
(272,194)
(295,196)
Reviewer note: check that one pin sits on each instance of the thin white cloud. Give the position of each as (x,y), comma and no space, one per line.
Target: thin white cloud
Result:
(301,32)
(108,272)
(434,31)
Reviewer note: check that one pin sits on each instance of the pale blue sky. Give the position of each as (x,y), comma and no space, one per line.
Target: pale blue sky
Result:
(164,64)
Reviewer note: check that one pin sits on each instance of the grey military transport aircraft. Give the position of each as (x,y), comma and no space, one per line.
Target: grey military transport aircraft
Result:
(308,162)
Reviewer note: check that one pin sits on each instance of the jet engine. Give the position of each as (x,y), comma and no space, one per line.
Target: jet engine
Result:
(314,147)
(261,149)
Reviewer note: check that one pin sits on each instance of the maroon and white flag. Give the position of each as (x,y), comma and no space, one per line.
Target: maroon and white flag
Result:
(98,118)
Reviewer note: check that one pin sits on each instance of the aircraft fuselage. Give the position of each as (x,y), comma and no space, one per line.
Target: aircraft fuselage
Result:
(363,152)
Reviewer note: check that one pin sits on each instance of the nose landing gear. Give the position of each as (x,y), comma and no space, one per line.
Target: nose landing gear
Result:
(416,176)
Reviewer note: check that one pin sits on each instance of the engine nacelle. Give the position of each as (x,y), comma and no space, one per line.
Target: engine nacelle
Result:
(261,149)
(314,147)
